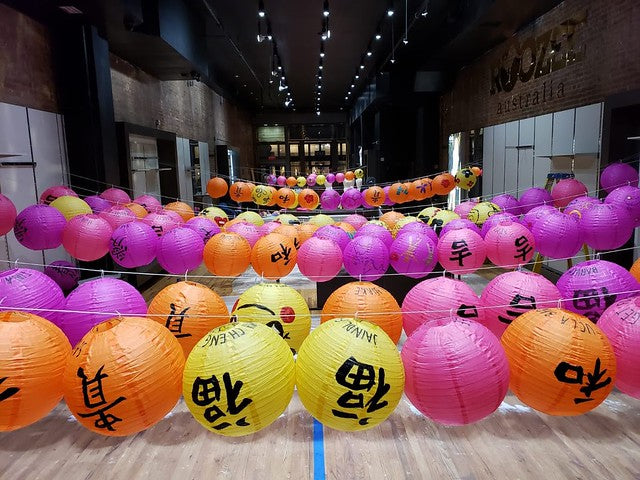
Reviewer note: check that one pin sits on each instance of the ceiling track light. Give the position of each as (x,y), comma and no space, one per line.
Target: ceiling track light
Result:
(261,12)
(405,40)
(325,8)
(321,50)
(390,10)
(269,33)
(378,33)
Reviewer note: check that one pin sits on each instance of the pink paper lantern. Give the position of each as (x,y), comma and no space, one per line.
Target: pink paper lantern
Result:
(281,180)
(351,199)
(160,222)
(31,291)
(204,227)
(460,223)
(513,293)
(419,227)
(606,226)
(268,227)
(177,218)
(118,215)
(51,193)
(340,177)
(461,251)
(534,197)
(387,200)
(86,237)
(377,231)
(413,254)
(355,220)
(530,218)
(116,196)
(98,300)
(595,285)
(246,230)
(311,179)
(456,371)
(180,250)
(8,215)
(628,199)
(151,204)
(331,177)
(558,235)
(508,204)
(366,258)
(64,273)
(437,298)
(97,203)
(337,234)
(133,244)
(494,220)
(509,244)
(566,190)
(621,324)
(330,199)
(39,227)
(618,175)
(319,259)
(464,208)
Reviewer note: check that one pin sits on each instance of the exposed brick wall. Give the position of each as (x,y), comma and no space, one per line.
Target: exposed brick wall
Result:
(27,76)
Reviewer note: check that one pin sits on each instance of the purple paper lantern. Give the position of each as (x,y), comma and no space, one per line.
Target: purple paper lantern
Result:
(618,175)
(461,251)
(558,235)
(534,197)
(180,250)
(355,220)
(39,227)
(330,199)
(460,223)
(494,220)
(246,230)
(530,218)
(98,300)
(606,226)
(151,204)
(377,231)
(311,179)
(204,227)
(271,179)
(413,254)
(86,237)
(419,227)
(351,199)
(464,208)
(508,204)
(319,259)
(97,203)
(594,285)
(366,258)
(577,206)
(268,227)
(509,244)
(628,199)
(64,273)
(331,177)
(160,222)
(133,244)
(118,215)
(337,234)
(116,196)
(387,200)
(31,291)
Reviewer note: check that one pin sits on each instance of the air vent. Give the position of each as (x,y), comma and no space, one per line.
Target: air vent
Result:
(70,9)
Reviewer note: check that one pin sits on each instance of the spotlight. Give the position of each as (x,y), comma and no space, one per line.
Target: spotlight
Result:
(346,98)
(318,112)
(320,67)
(362,66)
(378,33)
(269,34)
(352,85)
(325,8)
(390,10)
(405,40)
(369,52)
(357,75)
(321,50)
(261,12)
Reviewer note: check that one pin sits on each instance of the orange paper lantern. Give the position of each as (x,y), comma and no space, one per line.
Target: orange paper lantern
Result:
(347,227)
(286,198)
(217,187)
(477,171)
(240,192)
(227,254)
(349,175)
(374,196)
(391,218)
(308,199)
(306,231)
(137,209)
(291,181)
(273,256)
(399,192)
(421,189)
(273,199)
(290,231)
(635,270)
(443,184)
(182,209)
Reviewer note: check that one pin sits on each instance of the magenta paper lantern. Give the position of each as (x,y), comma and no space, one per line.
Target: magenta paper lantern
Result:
(8,215)
(271,179)
(98,300)
(387,200)
(420,227)
(160,222)
(618,175)
(461,251)
(86,237)
(494,220)
(413,254)
(40,227)
(456,371)
(319,259)
(558,235)
(566,190)
(311,179)
(437,298)
(177,218)
(133,244)
(606,226)
(330,199)
(116,196)
(151,204)
(593,286)
(626,198)
(509,244)
(340,177)
(64,273)
(337,234)
(577,206)
(204,227)
(97,203)
(51,193)
(366,258)
(31,291)
(508,204)
(377,231)
(458,224)
(351,199)
(513,293)
(530,218)
(268,227)
(534,197)
(118,215)
(621,324)
(281,180)
(355,220)
(464,208)
(331,177)
(246,230)
(180,250)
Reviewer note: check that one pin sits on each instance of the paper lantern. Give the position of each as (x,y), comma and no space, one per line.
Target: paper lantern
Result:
(494,220)
(308,199)
(188,310)
(116,196)
(281,180)
(217,187)
(349,375)
(561,364)
(595,285)
(579,205)
(321,179)
(477,171)
(311,179)
(413,254)
(461,251)
(441,218)
(290,231)
(399,193)
(174,215)
(160,222)
(306,231)
(422,189)
(437,298)
(534,197)
(635,270)
(97,203)
(138,210)
(261,195)
(618,175)
(355,220)
(620,324)
(465,179)
(508,204)
(557,235)
(227,254)
(301,181)
(251,217)
(286,197)
(239,192)
(52,193)
(365,301)
(71,206)
(349,175)
(330,199)
(271,179)
(627,199)
(514,293)
(204,227)
(482,211)
(319,259)
(387,200)
(288,219)
(331,232)
(457,224)
(246,230)
(124,376)
(117,215)
(606,227)
(443,184)
(456,371)
(133,245)
(377,231)
(64,273)
(509,244)
(238,379)
(273,256)
(566,190)
(150,203)
(180,250)
(268,227)
(366,258)
(464,208)
(291,181)
(33,356)
(426,214)
(374,196)
(216,214)
(351,199)
(31,291)
(279,307)
(347,227)
(340,177)
(183,209)
(391,218)
(86,237)
(414,226)
(39,227)
(530,218)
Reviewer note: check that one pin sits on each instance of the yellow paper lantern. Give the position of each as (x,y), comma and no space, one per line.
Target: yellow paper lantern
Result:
(482,211)
(238,379)
(379,222)
(321,220)
(349,374)
(441,218)
(426,214)
(288,219)
(251,217)
(321,179)
(71,206)
(466,179)
(359,173)
(401,223)
(301,181)
(217,215)
(279,307)
(261,195)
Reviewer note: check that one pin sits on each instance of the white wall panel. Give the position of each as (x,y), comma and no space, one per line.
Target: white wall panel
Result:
(525,170)
(525,138)
(498,158)
(487,161)
(543,132)
(587,136)
(563,129)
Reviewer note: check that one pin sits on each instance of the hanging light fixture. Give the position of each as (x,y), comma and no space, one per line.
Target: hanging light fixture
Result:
(390,10)
(261,12)
(321,50)
(269,34)
(325,8)
(405,40)
(378,33)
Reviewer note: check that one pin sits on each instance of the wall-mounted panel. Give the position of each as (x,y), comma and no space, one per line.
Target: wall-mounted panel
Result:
(563,128)
(498,158)
(588,120)
(487,161)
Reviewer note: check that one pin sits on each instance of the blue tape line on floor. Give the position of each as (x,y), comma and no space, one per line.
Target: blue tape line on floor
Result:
(318,451)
